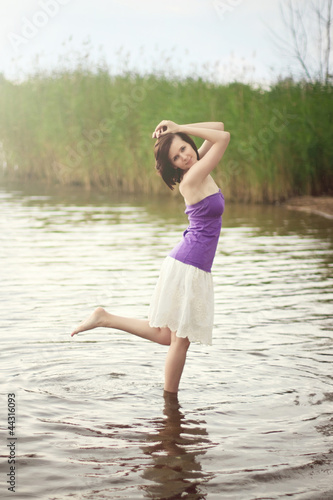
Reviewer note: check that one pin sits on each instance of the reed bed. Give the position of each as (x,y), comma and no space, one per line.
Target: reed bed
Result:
(88,127)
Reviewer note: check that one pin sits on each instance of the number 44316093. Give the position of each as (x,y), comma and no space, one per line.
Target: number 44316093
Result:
(11,414)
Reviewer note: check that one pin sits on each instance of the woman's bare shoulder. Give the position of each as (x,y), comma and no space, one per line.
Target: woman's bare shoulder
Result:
(193,193)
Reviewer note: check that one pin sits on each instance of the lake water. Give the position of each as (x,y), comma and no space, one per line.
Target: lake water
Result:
(254,416)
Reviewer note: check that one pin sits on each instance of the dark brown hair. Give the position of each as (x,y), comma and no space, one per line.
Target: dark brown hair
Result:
(163,165)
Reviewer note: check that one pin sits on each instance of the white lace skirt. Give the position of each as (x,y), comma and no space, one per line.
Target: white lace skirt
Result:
(183,300)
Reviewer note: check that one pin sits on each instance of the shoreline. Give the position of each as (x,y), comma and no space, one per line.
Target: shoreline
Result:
(318,205)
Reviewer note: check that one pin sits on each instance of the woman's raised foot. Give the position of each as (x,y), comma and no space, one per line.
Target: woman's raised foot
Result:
(96,319)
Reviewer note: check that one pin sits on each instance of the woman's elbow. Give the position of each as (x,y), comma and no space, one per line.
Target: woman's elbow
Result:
(226,136)
(225,141)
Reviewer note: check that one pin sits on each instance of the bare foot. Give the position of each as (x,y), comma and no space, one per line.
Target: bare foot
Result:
(97,318)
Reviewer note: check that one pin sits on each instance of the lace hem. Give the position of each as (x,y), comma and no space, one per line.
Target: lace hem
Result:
(183,300)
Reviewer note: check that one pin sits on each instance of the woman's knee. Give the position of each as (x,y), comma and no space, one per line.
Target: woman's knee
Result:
(165,336)
(181,342)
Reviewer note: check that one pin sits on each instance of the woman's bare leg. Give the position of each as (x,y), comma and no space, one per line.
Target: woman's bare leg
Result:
(138,327)
(176,356)
(175,362)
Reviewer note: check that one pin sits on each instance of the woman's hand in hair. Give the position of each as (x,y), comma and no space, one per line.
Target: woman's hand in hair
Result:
(165,127)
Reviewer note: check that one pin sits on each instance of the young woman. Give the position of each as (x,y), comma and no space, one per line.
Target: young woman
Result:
(181,310)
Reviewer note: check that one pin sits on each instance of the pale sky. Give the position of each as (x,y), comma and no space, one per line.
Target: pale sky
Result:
(224,35)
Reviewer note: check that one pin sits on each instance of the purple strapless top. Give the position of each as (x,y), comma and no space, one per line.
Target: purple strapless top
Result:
(199,242)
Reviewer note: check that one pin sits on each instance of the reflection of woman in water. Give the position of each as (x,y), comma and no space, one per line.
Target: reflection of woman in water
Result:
(181,310)
(175,448)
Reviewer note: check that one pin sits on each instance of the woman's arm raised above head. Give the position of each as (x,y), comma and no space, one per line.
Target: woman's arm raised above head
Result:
(216,142)
(205,147)
(167,126)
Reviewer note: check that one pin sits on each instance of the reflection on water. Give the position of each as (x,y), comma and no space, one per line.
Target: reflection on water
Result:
(175,450)
(254,417)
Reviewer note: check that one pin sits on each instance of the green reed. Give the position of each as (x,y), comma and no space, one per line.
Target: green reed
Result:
(85,126)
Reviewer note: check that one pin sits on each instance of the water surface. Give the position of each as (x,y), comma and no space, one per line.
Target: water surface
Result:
(254,416)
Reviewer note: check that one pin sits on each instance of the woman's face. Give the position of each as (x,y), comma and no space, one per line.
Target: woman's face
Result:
(181,154)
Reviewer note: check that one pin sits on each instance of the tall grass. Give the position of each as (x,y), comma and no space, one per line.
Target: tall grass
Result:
(85,126)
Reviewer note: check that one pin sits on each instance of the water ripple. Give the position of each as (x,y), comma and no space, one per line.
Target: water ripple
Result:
(255,413)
